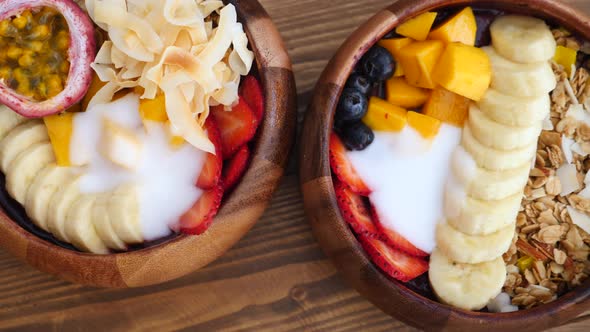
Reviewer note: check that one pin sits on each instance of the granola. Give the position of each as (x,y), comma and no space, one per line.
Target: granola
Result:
(550,252)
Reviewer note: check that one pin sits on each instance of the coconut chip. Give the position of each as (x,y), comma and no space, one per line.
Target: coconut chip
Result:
(171,47)
(567,175)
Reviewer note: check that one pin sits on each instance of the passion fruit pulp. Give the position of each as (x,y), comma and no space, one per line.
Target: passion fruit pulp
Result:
(46,48)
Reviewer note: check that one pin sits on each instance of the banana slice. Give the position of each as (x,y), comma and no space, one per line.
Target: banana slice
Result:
(25,167)
(9,119)
(102,223)
(493,159)
(465,286)
(498,136)
(518,79)
(473,249)
(484,184)
(59,205)
(80,229)
(39,195)
(523,39)
(123,211)
(20,138)
(478,217)
(515,111)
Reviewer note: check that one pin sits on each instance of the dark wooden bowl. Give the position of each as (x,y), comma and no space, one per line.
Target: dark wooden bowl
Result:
(240,210)
(334,235)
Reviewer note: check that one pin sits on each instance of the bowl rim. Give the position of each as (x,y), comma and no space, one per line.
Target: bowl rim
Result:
(239,211)
(332,232)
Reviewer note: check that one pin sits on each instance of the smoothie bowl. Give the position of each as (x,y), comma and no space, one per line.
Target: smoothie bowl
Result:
(444,163)
(139,139)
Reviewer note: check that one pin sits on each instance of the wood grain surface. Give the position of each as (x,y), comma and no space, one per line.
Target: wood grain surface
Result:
(276,278)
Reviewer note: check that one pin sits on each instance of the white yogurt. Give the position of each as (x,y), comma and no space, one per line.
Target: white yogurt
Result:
(407,174)
(165,176)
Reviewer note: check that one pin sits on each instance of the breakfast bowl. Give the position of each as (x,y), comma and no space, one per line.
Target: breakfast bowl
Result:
(368,144)
(242,146)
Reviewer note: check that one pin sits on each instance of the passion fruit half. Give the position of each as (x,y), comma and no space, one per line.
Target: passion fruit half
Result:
(46,48)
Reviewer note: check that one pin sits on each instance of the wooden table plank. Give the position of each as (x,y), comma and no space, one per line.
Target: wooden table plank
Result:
(276,278)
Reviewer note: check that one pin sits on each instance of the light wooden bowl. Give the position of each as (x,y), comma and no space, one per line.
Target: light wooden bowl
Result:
(239,211)
(334,235)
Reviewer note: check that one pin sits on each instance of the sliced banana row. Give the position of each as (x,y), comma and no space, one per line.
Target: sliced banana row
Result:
(51,196)
(490,168)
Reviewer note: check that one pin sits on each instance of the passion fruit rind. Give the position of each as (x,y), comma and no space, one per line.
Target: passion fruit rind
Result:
(81,54)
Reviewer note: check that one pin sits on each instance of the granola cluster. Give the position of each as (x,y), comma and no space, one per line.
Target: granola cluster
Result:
(550,251)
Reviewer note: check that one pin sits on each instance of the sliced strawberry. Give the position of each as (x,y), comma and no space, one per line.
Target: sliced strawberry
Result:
(200,216)
(394,239)
(343,169)
(211,172)
(251,91)
(237,127)
(395,263)
(235,168)
(354,210)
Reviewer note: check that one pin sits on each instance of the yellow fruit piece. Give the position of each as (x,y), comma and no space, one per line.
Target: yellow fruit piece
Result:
(566,57)
(447,107)
(461,28)
(417,27)
(393,46)
(153,109)
(418,61)
(383,116)
(402,94)
(177,141)
(524,263)
(464,70)
(60,129)
(427,126)
(95,86)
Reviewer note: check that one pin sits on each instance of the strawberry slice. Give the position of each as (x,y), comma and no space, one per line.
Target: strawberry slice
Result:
(354,210)
(237,127)
(395,263)
(394,239)
(251,91)
(200,216)
(235,168)
(343,169)
(211,172)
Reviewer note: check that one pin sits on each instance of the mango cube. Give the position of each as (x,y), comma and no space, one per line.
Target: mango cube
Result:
(60,127)
(418,61)
(153,109)
(95,85)
(393,46)
(402,94)
(566,57)
(418,27)
(447,107)
(461,28)
(464,70)
(427,126)
(383,116)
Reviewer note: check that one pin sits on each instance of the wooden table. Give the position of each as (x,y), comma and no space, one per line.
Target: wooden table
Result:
(276,278)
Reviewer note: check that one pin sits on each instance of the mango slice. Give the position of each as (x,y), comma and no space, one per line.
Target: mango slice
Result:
(427,126)
(394,45)
(464,70)
(383,116)
(60,129)
(447,107)
(95,86)
(418,27)
(418,61)
(402,94)
(153,109)
(566,57)
(461,28)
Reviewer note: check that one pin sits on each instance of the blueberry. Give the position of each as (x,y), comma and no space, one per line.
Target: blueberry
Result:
(391,35)
(357,136)
(352,106)
(378,64)
(358,82)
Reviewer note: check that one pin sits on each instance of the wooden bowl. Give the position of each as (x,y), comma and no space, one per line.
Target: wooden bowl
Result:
(239,211)
(334,235)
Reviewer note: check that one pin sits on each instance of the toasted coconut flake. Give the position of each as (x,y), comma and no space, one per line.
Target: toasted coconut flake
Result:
(567,175)
(566,147)
(580,219)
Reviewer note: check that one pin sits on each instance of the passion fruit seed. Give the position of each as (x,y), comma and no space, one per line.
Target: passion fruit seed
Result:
(35,61)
